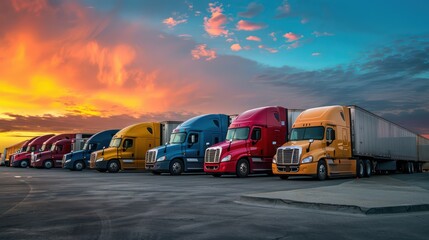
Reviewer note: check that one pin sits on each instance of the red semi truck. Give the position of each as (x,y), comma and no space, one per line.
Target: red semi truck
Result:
(251,142)
(21,150)
(23,159)
(60,145)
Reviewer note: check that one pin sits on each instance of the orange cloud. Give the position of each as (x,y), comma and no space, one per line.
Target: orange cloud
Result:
(170,22)
(243,25)
(253,38)
(290,36)
(236,47)
(201,51)
(34,6)
(215,25)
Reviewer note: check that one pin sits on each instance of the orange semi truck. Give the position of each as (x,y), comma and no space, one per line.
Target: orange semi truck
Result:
(348,141)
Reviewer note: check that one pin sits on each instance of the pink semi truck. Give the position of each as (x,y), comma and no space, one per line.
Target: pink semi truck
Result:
(23,159)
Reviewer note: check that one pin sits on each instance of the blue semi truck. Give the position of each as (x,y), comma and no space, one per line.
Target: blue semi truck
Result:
(188,142)
(78,160)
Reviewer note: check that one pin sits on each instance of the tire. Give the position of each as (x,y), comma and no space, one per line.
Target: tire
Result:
(368,168)
(360,169)
(242,169)
(284,177)
(216,175)
(322,170)
(24,163)
(48,164)
(176,167)
(78,166)
(156,173)
(113,166)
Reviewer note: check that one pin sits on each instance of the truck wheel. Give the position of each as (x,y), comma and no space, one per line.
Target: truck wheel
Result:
(24,164)
(48,164)
(360,169)
(113,166)
(78,166)
(368,168)
(176,167)
(322,172)
(216,175)
(284,177)
(242,168)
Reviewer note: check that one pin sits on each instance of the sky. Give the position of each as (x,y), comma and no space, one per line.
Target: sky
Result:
(89,65)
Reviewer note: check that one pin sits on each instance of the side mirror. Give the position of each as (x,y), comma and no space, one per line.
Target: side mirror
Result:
(311,140)
(329,141)
(192,138)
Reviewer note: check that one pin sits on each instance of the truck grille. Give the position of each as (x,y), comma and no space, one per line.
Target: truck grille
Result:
(288,156)
(212,155)
(92,160)
(151,156)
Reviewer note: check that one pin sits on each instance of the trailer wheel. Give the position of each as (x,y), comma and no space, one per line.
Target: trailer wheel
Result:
(216,175)
(242,169)
(113,166)
(48,164)
(322,172)
(78,166)
(360,169)
(368,168)
(176,167)
(24,164)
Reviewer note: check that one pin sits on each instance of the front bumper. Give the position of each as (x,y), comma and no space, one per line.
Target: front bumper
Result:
(222,167)
(101,165)
(306,169)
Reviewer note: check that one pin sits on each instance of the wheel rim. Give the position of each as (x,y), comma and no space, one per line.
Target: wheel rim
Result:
(24,164)
(177,167)
(322,170)
(79,166)
(243,168)
(48,164)
(114,166)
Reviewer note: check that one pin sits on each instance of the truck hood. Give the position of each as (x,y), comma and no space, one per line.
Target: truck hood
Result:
(75,155)
(237,146)
(23,155)
(170,149)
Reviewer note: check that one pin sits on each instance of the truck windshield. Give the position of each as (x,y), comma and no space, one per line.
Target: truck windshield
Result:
(116,142)
(177,138)
(53,147)
(90,146)
(237,134)
(315,133)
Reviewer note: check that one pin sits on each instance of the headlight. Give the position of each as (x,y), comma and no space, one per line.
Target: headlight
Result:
(38,160)
(99,160)
(275,159)
(160,159)
(226,159)
(307,159)
(68,161)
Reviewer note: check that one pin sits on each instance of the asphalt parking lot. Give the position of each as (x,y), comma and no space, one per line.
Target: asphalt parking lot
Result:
(61,204)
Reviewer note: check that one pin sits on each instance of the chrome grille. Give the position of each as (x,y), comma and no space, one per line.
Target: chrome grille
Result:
(151,156)
(288,156)
(92,160)
(212,155)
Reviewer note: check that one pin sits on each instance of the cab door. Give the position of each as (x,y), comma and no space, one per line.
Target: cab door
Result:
(256,149)
(127,154)
(194,155)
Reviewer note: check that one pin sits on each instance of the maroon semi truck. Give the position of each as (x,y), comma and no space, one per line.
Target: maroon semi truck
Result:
(21,150)
(23,159)
(251,142)
(54,149)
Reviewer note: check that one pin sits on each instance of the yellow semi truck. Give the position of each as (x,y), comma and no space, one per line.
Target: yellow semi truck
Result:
(128,147)
(9,151)
(348,141)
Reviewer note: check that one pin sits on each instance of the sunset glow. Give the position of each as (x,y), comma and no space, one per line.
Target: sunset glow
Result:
(90,65)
